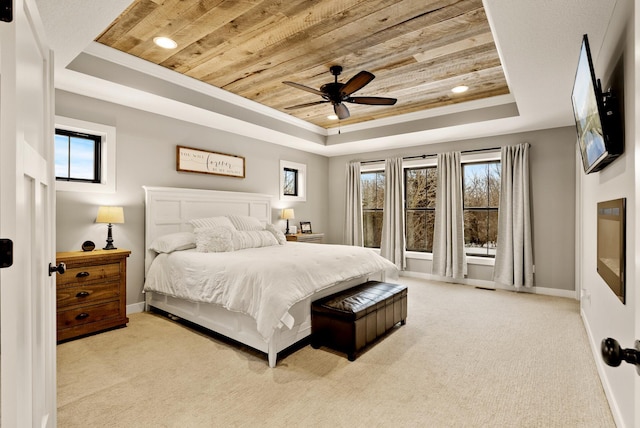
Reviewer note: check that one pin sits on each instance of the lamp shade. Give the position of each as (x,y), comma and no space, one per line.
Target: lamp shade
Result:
(110,215)
(287,214)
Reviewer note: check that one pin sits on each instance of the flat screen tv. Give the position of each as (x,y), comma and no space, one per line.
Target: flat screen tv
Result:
(596,116)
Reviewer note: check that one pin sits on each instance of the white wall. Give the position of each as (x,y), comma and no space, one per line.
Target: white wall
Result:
(552,169)
(604,315)
(146,155)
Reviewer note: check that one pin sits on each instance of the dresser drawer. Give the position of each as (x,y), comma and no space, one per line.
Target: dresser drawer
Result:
(87,294)
(85,274)
(88,314)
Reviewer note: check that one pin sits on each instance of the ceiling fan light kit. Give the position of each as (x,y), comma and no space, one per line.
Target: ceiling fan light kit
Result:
(338,93)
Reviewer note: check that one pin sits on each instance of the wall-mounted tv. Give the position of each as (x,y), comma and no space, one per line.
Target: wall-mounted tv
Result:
(596,114)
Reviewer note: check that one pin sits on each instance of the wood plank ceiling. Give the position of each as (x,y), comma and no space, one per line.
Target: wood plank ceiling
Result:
(417,49)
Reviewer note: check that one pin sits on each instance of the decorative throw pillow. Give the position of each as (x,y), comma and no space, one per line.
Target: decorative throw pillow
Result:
(173,242)
(217,239)
(243,222)
(279,235)
(212,222)
(253,239)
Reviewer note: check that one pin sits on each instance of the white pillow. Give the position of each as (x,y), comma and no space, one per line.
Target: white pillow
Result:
(173,242)
(217,239)
(279,235)
(243,222)
(253,239)
(212,222)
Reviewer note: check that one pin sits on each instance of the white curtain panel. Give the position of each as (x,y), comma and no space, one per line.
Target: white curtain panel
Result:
(353,233)
(514,255)
(449,259)
(392,241)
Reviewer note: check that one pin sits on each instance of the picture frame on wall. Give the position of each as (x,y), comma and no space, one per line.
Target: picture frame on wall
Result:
(305,227)
(189,159)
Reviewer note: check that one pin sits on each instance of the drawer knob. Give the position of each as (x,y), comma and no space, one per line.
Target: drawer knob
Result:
(82,316)
(82,294)
(82,274)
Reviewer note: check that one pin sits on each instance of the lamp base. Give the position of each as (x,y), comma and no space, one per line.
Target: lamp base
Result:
(109,240)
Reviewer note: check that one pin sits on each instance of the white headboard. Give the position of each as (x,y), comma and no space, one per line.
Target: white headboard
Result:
(169,209)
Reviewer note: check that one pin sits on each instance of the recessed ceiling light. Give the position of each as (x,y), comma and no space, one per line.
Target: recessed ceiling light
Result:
(165,42)
(332,117)
(460,89)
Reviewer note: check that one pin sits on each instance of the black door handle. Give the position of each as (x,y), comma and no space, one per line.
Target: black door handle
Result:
(613,355)
(61,268)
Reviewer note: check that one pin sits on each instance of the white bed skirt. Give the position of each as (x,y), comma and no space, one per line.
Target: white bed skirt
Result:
(242,327)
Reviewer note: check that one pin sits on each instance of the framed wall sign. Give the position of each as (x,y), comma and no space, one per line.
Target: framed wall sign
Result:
(189,159)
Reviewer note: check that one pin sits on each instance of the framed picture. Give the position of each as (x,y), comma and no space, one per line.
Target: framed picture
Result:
(189,159)
(305,227)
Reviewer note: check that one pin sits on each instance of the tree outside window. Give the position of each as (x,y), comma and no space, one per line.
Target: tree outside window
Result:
(372,207)
(420,199)
(481,183)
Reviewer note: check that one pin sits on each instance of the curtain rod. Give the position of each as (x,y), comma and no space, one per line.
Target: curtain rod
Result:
(489,149)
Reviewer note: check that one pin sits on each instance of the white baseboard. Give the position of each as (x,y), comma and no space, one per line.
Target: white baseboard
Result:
(135,308)
(604,380)
(570,294)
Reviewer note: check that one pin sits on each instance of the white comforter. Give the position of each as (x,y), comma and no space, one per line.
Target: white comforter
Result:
(261,282)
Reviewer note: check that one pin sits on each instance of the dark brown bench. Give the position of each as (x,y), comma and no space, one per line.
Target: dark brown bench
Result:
(351,319)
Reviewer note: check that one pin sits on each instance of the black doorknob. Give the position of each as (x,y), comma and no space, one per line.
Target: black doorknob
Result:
(613,354)
(61,268)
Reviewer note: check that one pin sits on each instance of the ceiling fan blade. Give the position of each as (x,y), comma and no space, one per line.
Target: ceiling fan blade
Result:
(357,82)
(381,101)
(306,105)
(341,111)
(304,88)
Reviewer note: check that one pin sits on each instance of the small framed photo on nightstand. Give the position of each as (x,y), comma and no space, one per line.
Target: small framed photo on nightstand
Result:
(305,227)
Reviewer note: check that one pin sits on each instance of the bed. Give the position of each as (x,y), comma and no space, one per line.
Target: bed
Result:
(267,308)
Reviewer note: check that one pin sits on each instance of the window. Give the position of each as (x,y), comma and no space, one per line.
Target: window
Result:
(420,202)
(481,182)
(79,168)
(77,156)
(372,183)
(293,181)
(290,187)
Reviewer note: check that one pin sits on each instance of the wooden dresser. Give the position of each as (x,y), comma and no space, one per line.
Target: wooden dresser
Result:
(316,238)
(92,293)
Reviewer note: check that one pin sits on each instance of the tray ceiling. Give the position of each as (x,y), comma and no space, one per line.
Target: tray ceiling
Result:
(418,50)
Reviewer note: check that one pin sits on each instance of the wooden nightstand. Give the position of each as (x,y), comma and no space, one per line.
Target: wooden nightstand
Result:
(316,238)
(92,293)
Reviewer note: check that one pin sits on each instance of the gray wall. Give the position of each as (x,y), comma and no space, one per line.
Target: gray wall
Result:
(146,155)
(552,189)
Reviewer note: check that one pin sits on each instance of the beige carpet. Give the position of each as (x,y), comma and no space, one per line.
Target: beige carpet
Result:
(466,358)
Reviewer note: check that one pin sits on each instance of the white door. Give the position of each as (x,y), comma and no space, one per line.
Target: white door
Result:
(27,217)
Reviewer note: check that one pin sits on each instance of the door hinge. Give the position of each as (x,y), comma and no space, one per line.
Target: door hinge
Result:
(6,253)
(6,10)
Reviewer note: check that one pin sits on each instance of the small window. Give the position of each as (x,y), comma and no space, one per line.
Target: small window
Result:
(73,141)
(290,187)
(293,181)
(77,156)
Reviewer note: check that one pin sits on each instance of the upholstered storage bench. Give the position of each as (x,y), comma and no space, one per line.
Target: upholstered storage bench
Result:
(351,319)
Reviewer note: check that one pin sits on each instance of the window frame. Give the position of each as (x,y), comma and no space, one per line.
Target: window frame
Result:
(406,208)
(97,142)
(493,157)
(369,169)
(107,181)
(301,183)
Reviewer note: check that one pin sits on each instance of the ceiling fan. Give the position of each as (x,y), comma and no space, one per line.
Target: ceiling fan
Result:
(338,93)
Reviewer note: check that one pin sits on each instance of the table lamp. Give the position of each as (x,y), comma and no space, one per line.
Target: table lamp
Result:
(110,215)
(287,214)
